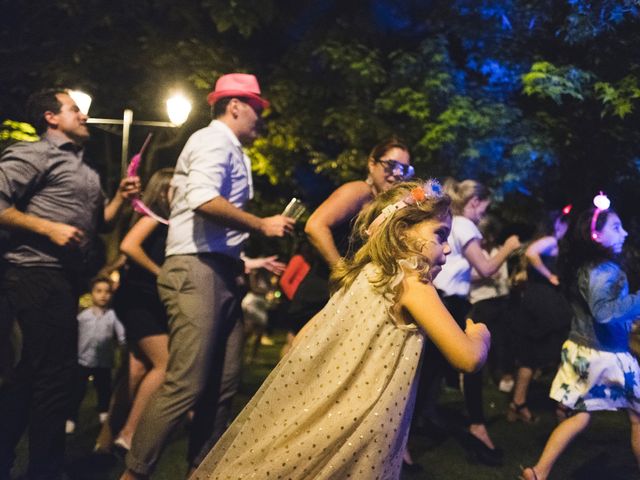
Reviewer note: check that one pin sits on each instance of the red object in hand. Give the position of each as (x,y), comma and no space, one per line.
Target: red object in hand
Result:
(296,270)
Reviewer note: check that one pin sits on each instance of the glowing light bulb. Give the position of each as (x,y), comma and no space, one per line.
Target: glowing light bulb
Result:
(178,108)
(82,99)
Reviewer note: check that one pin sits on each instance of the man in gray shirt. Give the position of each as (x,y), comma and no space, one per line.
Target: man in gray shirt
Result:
(52,203)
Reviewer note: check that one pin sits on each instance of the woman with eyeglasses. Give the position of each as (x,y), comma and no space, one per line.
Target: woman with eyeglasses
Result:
(329,227)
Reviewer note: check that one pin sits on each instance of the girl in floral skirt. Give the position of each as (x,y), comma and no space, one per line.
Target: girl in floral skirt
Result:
(597,371)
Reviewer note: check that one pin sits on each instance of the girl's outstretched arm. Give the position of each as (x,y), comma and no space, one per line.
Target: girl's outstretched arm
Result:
(488,266)
(464,350)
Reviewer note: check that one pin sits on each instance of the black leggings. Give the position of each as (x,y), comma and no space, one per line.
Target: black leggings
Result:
(435,367)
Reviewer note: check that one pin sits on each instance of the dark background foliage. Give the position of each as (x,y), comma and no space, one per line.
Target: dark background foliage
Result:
(538,99)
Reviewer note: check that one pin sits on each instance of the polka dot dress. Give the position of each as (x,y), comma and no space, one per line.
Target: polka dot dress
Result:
(338,406)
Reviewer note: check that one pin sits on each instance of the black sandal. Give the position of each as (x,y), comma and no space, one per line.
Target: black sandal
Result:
(516,412)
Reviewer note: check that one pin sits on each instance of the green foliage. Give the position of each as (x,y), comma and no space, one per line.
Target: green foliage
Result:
(548,81)
(536,96)
(12,131)
(618,100)
(244,16)
(587,19)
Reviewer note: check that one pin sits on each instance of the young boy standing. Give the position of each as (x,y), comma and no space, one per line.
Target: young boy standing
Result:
(97,328)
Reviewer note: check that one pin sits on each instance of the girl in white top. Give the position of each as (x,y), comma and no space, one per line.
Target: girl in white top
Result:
(469,202)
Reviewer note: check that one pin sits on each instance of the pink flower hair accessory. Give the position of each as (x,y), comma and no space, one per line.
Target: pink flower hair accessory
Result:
(430,189)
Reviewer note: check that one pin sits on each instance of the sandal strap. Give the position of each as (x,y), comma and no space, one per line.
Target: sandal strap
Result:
(518,407)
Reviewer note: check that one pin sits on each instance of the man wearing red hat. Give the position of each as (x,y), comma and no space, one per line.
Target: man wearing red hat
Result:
(199,280)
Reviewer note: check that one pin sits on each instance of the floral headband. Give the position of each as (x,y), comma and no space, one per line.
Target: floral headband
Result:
(431,189)
(602,203)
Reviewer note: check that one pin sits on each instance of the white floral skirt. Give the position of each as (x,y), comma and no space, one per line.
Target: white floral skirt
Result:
(590,380)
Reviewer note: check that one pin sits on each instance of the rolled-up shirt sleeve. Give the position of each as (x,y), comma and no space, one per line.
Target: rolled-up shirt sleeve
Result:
(206,175)
(18,175)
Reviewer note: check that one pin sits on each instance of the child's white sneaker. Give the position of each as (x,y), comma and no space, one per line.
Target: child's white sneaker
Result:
(102,416)
(506,385)
(69,427)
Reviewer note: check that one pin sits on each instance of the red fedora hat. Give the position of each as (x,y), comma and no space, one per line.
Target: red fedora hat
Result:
(237,85)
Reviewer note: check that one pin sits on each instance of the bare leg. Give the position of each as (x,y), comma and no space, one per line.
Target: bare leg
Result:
(520,391)
(479,430)
(559,440)
(406,456)
(156,349)
(523,379)
(635,434)
(137,370)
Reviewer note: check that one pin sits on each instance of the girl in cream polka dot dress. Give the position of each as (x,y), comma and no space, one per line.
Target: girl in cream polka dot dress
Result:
(339,404)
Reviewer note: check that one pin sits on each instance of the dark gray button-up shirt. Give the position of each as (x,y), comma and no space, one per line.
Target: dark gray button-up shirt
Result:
(49,180)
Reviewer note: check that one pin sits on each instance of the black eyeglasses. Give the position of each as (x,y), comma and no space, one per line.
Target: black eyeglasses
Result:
(396,168)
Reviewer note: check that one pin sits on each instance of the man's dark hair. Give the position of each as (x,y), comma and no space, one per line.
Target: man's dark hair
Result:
(220,107)
(40,102)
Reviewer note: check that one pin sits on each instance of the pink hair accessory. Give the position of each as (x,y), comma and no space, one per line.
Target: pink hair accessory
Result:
(132,170)
(430,189)
(602,203)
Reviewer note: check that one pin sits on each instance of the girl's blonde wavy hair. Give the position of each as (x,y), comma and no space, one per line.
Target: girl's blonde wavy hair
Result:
(462,192)
(389,244)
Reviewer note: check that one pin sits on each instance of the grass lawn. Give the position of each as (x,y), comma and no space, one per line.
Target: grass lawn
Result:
(602,453)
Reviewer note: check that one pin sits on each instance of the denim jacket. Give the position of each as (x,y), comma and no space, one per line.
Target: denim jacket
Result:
(604,309)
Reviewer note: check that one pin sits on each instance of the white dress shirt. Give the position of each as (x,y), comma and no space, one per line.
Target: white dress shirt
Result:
(211,164)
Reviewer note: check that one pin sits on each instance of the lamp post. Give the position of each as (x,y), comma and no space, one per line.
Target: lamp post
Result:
(178,109)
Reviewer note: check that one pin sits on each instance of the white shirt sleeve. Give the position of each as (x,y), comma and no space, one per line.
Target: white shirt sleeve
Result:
(209,164)
(119,330)
(463,231)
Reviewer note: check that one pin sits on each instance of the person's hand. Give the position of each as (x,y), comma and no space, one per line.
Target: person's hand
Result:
(512,243)
(276,226)
(268,263)
(554,280)
(65,235)
(478,332)
(129,187)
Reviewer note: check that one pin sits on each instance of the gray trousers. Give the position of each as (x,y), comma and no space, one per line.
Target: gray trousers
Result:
(202,295)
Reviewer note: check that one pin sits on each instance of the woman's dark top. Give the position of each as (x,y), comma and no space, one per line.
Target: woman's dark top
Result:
(136,302)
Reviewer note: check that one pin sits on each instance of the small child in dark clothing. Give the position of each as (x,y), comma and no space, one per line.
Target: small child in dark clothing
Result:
(97,328)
